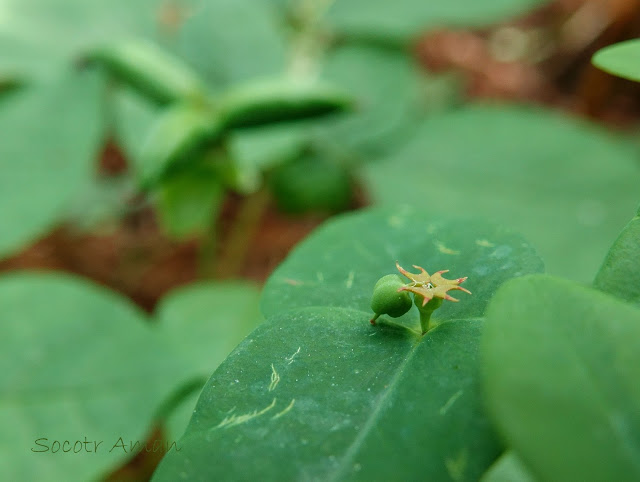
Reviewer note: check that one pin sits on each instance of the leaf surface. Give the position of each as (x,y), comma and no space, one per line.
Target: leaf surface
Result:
(561,368)
(318,393)
(52,137)
(79,363)
(619,274)
(566,185)
(621,59)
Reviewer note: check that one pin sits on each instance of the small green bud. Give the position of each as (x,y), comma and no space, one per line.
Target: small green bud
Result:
(387,300)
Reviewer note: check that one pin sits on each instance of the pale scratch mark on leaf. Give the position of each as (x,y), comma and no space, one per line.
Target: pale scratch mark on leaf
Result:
(320,277)
(443,249)
(275,379)
(231,420)
(286,410)
(349,282)
(484,243)
(290,358)
(293,282)
(457,466)
(450,402)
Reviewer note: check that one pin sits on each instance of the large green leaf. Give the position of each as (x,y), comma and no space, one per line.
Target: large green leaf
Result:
(230,41)
(619,275)
(561,368)
(51,135)
(566,185)
(318,393)
(402,19)
(621,59)
(205,321)
(79,363)
(341,262)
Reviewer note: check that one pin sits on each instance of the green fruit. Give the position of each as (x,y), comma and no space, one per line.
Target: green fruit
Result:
(387,300)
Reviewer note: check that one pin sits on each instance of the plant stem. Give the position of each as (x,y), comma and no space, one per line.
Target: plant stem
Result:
(425,314)
(243,230)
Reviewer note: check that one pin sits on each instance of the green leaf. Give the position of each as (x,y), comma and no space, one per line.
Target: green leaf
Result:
(619,274)
(561,368)
(566,185)
(341,262)
(268,146)
(384,84)
(133,117)
(311,184)
(206,320)
(231,41)
(37,36)
(508,468)
(179,135)
(279,100)
(189,201)
(79,361)
(405,18)
(52,133)
(621,59)
(317,393)
(151,70)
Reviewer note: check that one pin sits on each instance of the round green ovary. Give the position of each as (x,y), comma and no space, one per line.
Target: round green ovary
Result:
(386,298)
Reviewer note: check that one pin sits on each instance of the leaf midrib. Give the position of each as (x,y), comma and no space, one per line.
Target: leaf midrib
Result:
(347,460)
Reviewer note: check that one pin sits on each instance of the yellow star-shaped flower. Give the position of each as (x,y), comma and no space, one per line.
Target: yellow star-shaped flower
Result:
(431,286)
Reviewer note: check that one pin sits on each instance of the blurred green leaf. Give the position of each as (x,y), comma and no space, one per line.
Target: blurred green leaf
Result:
(79,363)
(621,59)
(188,202)
(567,185)
(266,101)
(619,274)
(204,322)
(51,137)
(177,421)
(384,84)
(178,136)
(316,392)
(133,116)
(508,468)
(37,36)
(561,367)
(151,70)
(402,19)
(268,146)
(231,41)
(311,184)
